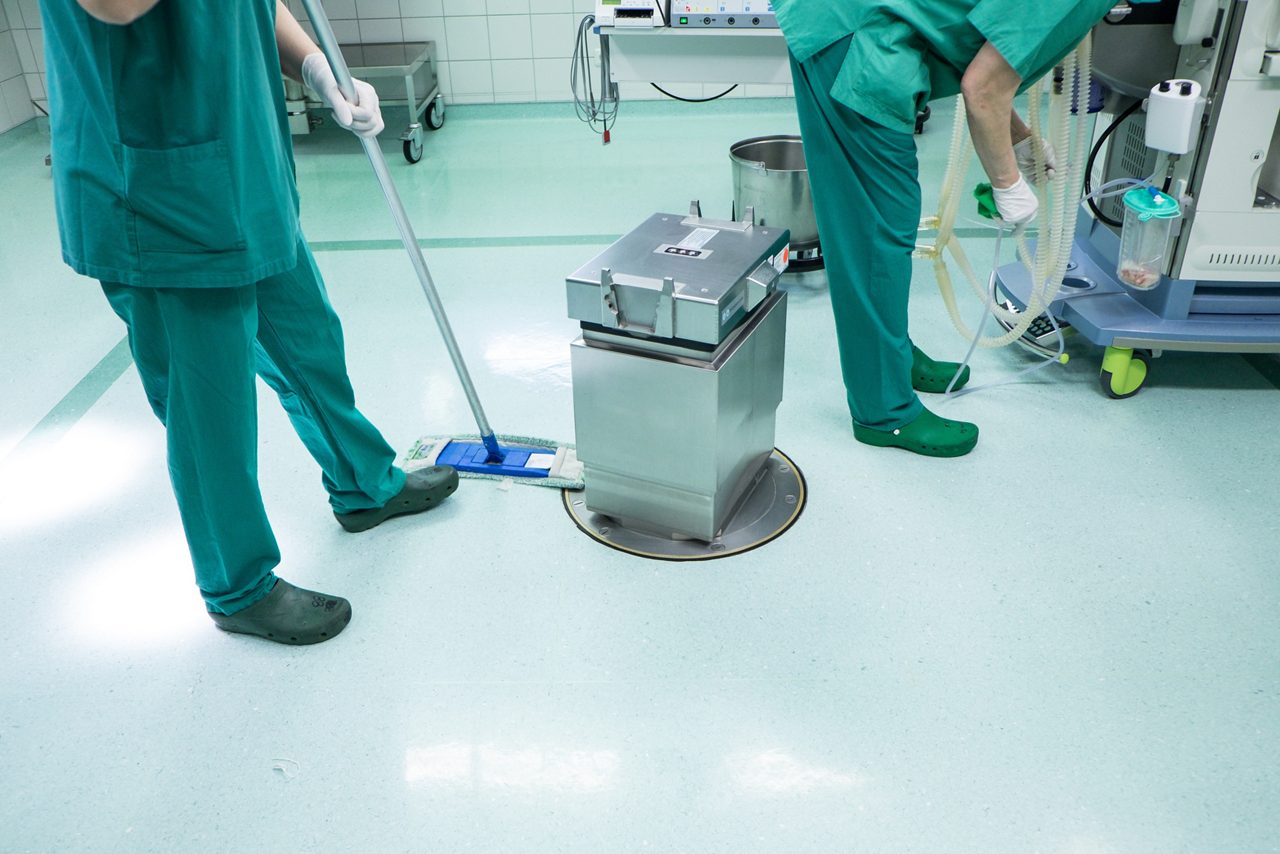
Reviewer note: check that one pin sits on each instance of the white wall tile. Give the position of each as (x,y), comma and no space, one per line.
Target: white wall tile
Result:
(508,7)
(765,90)
(340,10)
(6,122)
(381,30)
(471,82)
(4,19)
(553,35)
(30,14)
(10,64)
(551,79)
(422,8)
(37,47)
(465,7)
(36,86)
(22,40)
(346,32)
(550,6)
(510,37)
(428,30)
(17,98)
(14,14)
(468,37)
(513,80)
(377,9)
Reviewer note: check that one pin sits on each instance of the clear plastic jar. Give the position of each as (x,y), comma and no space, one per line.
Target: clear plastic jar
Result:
(1144,240)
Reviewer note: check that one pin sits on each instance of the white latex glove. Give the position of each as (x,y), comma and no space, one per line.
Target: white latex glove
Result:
(1027,160)
(1018,204)
(363,119)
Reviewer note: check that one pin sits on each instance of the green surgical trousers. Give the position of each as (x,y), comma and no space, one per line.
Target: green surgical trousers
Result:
(866,194)
(197,350)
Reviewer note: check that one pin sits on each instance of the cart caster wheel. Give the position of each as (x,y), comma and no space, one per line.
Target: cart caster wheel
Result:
(1123,374)
(412,150)
(435,114)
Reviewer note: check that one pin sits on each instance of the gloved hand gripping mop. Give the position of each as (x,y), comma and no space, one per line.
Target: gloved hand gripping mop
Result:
(538,461)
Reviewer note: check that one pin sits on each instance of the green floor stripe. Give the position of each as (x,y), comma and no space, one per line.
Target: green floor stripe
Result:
(78,401)
(1267,365)
(465,242)
(518,242)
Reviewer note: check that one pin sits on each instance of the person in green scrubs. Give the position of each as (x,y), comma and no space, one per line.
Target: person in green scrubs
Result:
(862,70)
(174,187)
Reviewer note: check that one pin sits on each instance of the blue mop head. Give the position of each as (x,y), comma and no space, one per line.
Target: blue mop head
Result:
(537,462)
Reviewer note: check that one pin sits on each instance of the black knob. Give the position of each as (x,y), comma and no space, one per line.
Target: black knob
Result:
(1164,86)
(706,21)
(733,21)
(755,22)
(1208,42)
(1185,89)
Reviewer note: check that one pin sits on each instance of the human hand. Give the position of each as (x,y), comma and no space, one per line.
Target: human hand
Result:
(364,118)
(1018,204)
(1025,154)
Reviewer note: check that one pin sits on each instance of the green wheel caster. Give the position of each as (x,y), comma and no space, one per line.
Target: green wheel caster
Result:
(1123,374)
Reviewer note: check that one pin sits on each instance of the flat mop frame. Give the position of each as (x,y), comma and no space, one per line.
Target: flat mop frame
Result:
(511,462)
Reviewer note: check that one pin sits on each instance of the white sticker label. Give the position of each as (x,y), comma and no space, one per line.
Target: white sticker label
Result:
(783,260)
(698,238)
(541,461)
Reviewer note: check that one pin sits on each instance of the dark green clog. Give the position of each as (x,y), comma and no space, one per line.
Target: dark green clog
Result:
(423,489)
(933,377)
(928,435)
(289,615)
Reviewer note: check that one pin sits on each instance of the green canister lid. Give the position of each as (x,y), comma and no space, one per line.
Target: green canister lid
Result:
(1150,203)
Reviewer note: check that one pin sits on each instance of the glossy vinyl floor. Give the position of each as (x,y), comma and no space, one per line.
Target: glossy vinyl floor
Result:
(1065,642)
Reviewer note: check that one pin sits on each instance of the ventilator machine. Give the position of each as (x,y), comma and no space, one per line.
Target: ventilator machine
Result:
(1177,247)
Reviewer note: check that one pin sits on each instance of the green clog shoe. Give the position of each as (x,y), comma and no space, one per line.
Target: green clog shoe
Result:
(928,435)
(289,615)
(933,377)
(423,489)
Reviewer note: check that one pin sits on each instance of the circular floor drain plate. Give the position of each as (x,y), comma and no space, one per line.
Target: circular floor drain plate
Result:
(768,512)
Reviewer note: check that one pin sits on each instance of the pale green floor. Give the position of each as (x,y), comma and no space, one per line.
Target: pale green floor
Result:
(1065,642)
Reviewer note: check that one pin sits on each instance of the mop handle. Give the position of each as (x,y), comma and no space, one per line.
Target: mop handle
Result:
(329,44)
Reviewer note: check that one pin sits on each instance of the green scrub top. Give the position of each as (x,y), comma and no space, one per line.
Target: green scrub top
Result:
(905,53)
(172,160)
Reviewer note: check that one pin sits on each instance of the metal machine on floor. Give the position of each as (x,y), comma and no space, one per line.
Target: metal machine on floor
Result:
(1196,88)
(676,383)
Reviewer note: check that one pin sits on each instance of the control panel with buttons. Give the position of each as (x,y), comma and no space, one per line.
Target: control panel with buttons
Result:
(722,14)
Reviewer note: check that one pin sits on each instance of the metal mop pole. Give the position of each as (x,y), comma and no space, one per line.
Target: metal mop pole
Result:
(329,44)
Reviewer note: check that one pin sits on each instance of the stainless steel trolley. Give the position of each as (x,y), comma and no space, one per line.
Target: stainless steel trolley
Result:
(404,74)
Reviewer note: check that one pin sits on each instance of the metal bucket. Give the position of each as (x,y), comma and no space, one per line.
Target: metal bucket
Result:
(770,174)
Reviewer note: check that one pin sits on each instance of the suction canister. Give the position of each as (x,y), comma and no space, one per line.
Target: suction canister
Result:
(1144,241)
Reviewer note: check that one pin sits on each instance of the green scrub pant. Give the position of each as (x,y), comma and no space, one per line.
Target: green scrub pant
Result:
(866,195)
(197,350)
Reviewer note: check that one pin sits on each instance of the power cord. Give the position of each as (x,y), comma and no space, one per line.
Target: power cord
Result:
(694,100)
(1093,157)
(598,109)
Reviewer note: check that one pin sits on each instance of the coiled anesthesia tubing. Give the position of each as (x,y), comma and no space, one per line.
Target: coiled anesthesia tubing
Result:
(1068,133)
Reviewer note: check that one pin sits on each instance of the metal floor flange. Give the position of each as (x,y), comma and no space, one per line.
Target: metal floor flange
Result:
(768,512)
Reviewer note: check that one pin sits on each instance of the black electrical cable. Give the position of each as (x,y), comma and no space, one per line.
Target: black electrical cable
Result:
(598,109)
(1093,157)
(694,100)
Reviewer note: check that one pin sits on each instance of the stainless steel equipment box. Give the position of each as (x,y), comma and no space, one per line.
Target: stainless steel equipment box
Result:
(680,278)
(679,371)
